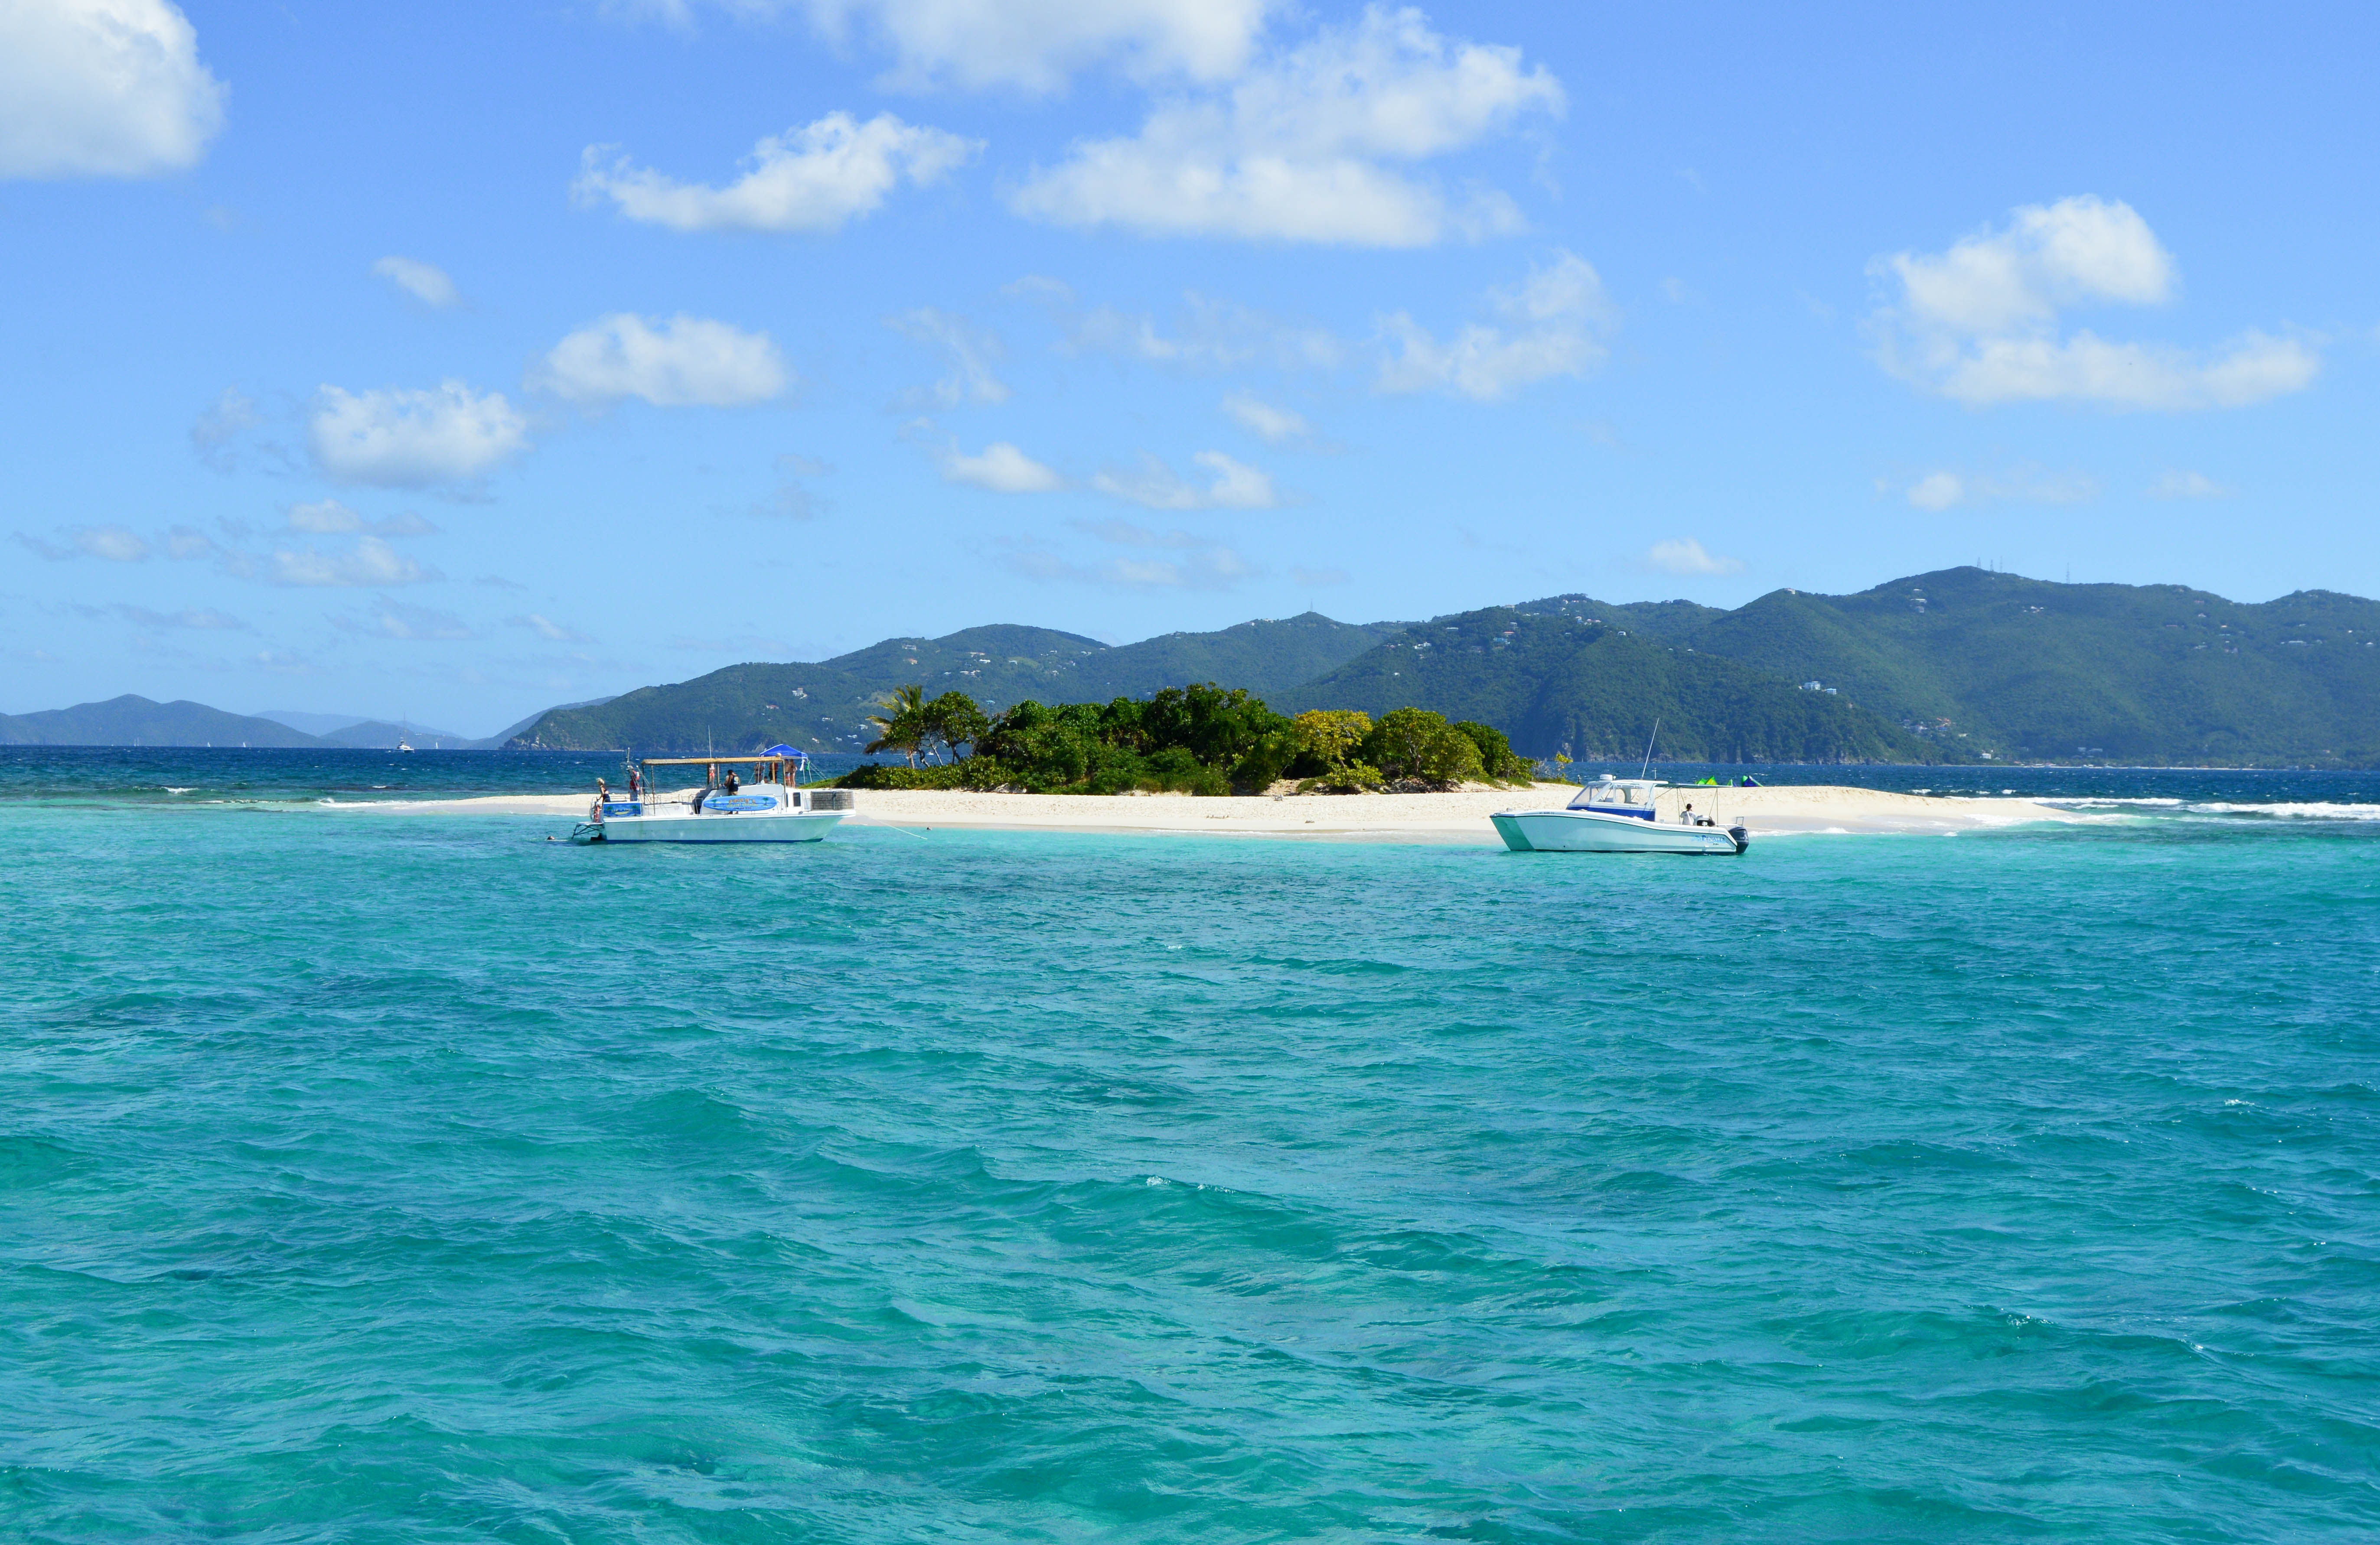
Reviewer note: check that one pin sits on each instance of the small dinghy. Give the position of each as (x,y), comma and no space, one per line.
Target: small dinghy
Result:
(770,807)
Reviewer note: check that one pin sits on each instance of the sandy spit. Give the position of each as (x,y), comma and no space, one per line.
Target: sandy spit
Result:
(1457,818)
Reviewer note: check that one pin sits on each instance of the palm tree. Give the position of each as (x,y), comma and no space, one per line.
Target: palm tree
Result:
(902,722)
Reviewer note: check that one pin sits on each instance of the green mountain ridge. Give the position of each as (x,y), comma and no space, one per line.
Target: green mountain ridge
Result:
(824,706)
(1960,665)
(378,734)
(135,721)
(2034,671)
(1565,679)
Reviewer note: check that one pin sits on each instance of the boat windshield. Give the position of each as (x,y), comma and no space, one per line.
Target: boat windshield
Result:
(1617,793)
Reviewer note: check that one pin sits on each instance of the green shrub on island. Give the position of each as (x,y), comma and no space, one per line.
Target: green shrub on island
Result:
(1330,737)
(1503,764)
(1196,739)
(1348,778)
(886,774)
(1416,747)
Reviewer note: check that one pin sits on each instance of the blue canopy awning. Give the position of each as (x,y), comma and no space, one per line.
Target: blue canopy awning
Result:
(787,750)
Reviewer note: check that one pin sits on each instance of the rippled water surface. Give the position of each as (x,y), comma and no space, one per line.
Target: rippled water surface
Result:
(373,1179)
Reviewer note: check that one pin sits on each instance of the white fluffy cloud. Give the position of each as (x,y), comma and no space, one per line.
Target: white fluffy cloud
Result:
(2188,485)
(1232,485)
(426,282)
(548,629)
(394,438)
(196,617)
(1553,325)
(1307,147)
(1154,559)
(1683,555)
(387,619)
(972,352)
(1979,323)
(371,562)
(812,178)
(2035,485)
(683,362)
(1275,426)
(114,543)
(329,517)
(1938,490)
(117,544)
(216,432)
(1207,333)
(1002,469)
(1035,46)
(101,87)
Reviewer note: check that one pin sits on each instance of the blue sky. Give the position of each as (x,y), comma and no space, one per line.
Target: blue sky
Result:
(450,361)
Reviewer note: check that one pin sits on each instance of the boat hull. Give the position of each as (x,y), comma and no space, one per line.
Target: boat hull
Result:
(1587,831)
(707,827)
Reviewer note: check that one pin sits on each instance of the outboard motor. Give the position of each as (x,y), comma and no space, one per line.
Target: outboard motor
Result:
(1742,836)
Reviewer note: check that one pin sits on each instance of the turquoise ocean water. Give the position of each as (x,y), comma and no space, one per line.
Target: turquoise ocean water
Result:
(372,1178)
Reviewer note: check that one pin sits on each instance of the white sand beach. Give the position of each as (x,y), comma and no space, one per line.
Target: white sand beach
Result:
(1456,817)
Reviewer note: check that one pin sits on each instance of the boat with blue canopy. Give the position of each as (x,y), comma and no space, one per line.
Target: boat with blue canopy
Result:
(769,805)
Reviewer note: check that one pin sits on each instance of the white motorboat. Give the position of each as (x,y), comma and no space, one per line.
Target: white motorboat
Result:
(1617,815)
(770,807)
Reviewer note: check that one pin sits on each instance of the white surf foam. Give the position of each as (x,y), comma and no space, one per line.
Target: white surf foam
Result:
(2100,799)
(2319,810)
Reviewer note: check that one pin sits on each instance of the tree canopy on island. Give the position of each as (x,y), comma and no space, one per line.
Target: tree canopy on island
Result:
(1202,739)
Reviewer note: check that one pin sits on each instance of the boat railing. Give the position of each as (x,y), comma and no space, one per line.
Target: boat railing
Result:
(817,800)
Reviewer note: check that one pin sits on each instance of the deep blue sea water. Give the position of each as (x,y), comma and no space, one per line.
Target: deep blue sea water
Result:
(415,1179)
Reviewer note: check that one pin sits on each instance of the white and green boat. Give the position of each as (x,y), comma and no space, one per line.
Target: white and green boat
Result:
(1617,815)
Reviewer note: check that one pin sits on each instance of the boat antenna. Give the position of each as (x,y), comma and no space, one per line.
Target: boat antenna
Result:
(1648,746)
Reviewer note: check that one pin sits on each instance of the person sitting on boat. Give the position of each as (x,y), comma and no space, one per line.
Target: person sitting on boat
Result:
(732,784)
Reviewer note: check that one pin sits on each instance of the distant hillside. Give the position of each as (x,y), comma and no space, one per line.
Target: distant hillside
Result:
(377,734)
(824,706)
(1962,665)
(503,738)
(1660,619)
(370,734)
(310,723)
(1268,657)
(2033,670)
(1565,679)
(130,720)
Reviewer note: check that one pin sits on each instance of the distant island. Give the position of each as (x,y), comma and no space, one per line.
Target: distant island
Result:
(132,721)
(1964,665)
(1197,740)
